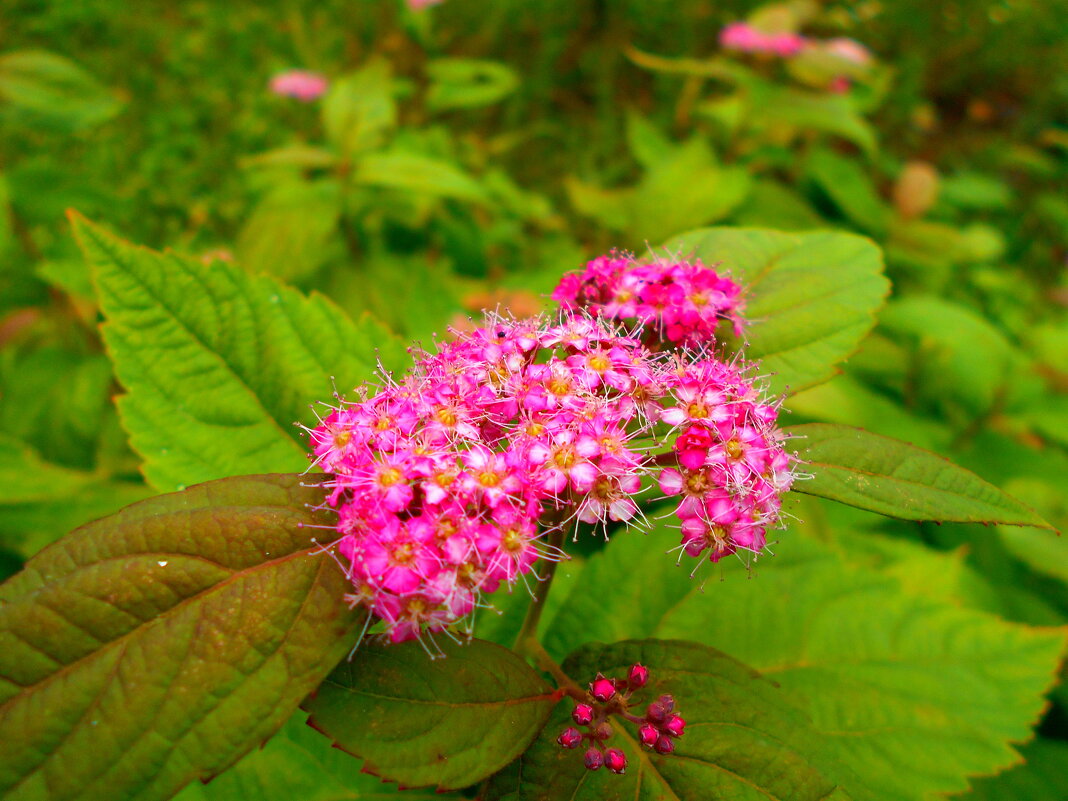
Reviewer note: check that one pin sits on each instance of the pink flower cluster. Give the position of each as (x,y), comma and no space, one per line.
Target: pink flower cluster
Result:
(300,84)
(448,483)
(745,38)
(732,468)
(441,481)
(677,302)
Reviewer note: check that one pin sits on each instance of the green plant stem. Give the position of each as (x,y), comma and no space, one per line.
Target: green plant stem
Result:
(529,630)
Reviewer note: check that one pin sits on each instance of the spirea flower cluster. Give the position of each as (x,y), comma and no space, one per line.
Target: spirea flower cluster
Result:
(679,302)
(452,480)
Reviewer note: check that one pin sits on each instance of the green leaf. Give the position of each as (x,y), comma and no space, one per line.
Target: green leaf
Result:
(45,90)
(851,188)
(889,678)
(894,478)
(1041,778)
(217,364)
(299,764)
(467,83)
(413,297)
(290,231)
(771,204)
(774,108)
(414,172)
(743,738)
(683,188)
(450,722)
(359,110)
(26,478)
(40,500)
(810,297)
(159,645)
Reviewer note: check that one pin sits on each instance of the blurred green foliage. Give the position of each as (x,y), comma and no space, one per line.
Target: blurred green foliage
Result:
(468,154)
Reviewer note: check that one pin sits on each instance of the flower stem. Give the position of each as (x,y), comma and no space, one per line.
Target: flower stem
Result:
(529,630)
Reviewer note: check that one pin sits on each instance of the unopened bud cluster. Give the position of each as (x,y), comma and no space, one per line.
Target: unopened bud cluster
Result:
(657,730)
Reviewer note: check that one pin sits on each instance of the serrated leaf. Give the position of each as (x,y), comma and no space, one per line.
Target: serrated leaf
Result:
(449,723)
(889,678)
(299,764)
(894,478)
(218,365)
(159,645)
(811,297)
(743,740)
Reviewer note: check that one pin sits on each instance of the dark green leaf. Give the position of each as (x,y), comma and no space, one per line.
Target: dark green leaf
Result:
(888,677)
(159,645)
(743,738)
(219,365)
(894,478)
(450,722)
(299,764)
(810,297)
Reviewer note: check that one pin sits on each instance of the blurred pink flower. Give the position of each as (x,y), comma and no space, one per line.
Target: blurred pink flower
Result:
(300,84)
(744,37)
(849,50)
(419,5)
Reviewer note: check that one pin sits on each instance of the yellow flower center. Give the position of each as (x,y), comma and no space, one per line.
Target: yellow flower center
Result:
(697,483)
(389,476)
(446,416)
(735,450)
(565,457)
(599,362)
(513,540)
(559,386)
(696,411)
(488,478)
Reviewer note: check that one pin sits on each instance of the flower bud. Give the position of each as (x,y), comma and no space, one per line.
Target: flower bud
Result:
(668,702)
(638,676)
(593,759)
(582,714)
(664,744)
(615,760)
(656,712)
(675,726)
(603,731)
(648,734)
(570,737)
(603,689)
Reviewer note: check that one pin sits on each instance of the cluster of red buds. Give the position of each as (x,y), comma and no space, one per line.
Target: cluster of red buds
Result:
(657,730)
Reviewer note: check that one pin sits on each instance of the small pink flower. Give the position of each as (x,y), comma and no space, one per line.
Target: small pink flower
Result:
(419,5)
(615,760)
(850,50)
(300,84)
